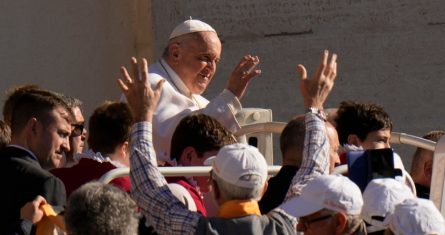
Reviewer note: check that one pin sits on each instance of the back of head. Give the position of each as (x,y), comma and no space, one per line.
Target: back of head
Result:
(100,209)
(11,98)
(292,140)
(360,119)
(332,192)
(36,104)
(240,172)
(417,216)
(109,126)
(422,155)
(380,198)
(201,132)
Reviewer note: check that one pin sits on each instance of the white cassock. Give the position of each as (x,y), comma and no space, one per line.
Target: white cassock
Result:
(176,102)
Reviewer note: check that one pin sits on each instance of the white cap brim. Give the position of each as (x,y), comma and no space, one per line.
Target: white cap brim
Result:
(299,207)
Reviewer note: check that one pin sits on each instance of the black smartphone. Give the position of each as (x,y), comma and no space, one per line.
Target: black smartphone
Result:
(380,163)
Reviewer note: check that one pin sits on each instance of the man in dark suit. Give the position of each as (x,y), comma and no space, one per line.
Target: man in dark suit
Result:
(40,127)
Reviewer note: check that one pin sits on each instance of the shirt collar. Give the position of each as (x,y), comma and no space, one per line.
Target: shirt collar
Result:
(239,208)
(27,150)
(177,81)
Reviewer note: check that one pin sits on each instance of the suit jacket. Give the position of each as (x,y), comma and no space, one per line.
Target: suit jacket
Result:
(24,179)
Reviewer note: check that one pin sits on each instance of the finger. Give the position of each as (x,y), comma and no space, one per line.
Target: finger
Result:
(330,68)
(144,68)
(134,64)
(302,71)
(250,65)
(127,77)
(334,71)
(251,75)
(40,199)
(159,85)
(242,62)
(323,63)
(122,85)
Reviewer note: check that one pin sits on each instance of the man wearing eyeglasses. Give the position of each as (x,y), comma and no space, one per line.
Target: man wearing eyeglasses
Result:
(329,204)
(78,132)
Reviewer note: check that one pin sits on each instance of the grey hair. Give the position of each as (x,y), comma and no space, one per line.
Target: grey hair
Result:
(100,209)
(233,192)
(353,222)
(72,102)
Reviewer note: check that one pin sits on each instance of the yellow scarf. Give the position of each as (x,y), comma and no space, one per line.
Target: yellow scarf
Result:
(239,208)
(49,221)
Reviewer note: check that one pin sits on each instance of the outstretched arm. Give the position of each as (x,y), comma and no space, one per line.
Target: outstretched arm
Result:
(148,186)
(316,145)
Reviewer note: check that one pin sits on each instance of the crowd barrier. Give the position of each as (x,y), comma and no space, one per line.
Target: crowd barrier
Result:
(438,179)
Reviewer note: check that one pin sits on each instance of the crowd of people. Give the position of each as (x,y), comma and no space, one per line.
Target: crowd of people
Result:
(51,160)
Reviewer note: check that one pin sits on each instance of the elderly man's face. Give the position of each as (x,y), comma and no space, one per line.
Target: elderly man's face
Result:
(197,61)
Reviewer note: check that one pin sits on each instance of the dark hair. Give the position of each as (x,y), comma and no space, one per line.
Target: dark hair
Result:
(11,98)
(292,136)
(360,119)
(201,132)
(100,209)
(5,134)
(109,126)
(36,104)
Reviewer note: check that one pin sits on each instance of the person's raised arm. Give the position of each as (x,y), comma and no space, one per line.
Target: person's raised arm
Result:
(316,145)
(148,186)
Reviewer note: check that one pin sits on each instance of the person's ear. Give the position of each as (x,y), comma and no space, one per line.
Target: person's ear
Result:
(215,189)
(340,225)
(123,149)
(32,126)
(354,140)
(428,169)
(266,184)
(174,52)
(187,155)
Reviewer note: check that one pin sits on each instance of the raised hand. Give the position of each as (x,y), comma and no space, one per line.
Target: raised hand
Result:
(316,90)
(242,74)
(140,97)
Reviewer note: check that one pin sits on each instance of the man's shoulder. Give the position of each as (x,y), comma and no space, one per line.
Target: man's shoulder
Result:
(275,222)
(19,162)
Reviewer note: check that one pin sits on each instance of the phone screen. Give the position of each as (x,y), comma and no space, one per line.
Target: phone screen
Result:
(381,163)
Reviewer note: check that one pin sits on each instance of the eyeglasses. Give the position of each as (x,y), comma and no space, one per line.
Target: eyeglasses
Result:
(308,222)
(77,130)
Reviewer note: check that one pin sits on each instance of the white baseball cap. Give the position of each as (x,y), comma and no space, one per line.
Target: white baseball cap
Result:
(190,26)
(241,165)
(416,216)
(333,192)
(380,198)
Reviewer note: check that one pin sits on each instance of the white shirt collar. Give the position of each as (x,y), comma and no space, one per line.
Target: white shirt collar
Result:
(176,80)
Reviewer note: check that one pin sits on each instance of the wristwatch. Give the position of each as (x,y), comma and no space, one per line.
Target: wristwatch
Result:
(318,112)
